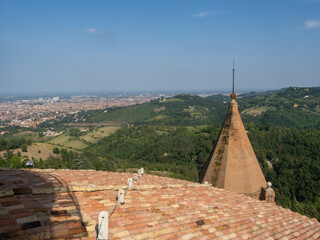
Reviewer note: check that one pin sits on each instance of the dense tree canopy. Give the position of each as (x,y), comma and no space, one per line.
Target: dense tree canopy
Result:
(7,143)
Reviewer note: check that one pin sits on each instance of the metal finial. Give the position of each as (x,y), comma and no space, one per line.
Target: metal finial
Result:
(233,78)
(233,95)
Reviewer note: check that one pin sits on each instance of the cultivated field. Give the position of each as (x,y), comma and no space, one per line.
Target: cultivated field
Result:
(96,124)
(80,142)
(257,111)
(99,133)
(34,136)
(36,150)
(65,140)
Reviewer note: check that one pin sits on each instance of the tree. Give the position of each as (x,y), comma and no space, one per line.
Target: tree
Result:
(15,162)
(56,150)
(24,148)
(40,164)
(54,163)
(3,163)
(8,155)
(78,164)
(24,162)
(81,163)
(108,164)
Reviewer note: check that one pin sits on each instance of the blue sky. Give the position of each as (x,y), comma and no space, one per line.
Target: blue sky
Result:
(142,45)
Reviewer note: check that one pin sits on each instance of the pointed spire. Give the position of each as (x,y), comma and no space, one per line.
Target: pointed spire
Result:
(232,164)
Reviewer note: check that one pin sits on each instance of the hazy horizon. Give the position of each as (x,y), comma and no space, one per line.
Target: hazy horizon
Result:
(103,93)
(127,46)
(137,91)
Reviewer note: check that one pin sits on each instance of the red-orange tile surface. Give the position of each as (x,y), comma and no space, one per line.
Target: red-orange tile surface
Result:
(65,204)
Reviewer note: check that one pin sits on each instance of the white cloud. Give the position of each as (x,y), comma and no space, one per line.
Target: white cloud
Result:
(92,30)
(203,14)
(311,24)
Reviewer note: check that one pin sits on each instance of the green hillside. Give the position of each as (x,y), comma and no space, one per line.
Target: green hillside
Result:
(179,110)
(290,107)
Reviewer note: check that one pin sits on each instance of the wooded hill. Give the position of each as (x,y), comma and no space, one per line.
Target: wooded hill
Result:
(290,107)
(179,110)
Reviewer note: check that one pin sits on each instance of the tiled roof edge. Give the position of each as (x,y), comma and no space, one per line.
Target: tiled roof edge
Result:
(91,188)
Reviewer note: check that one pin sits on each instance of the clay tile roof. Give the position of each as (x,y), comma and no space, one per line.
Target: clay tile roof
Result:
(65,204)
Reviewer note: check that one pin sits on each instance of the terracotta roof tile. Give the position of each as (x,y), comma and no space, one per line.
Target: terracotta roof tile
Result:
(64,204)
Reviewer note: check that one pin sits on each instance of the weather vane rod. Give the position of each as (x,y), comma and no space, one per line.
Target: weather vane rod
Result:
(233,95)
(233,78)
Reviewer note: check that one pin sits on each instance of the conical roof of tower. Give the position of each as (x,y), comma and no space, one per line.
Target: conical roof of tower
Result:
(232,165)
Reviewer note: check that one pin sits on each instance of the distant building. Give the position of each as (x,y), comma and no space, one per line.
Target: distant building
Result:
(48,133)
(29,164)
(4,132)
(84,129)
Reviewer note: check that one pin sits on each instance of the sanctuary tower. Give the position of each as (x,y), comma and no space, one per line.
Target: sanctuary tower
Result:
(232,164)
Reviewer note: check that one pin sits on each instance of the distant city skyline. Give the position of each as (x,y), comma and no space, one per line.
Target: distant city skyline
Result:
(87,46)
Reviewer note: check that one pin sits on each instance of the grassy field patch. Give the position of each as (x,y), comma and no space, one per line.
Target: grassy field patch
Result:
(36,150)
(257,111)
(196,128)
(68,141)
(171,100)
(96,124)
(34,136)
(159,117)
(99,133)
